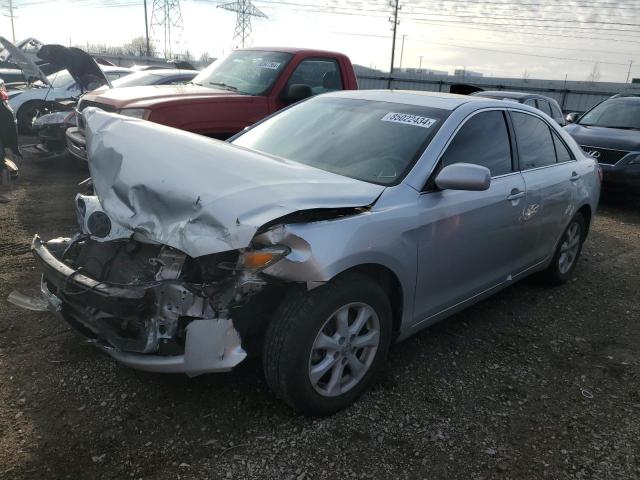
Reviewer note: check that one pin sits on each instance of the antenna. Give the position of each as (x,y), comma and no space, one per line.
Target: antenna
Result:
(166,16)
(244,11)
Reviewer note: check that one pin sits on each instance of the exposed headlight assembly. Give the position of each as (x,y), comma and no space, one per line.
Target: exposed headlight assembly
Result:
(256,260)
(142,113)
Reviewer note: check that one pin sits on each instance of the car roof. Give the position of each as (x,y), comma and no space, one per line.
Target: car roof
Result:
(445,101)
(114,68)
(294,50)
(167,72)
(506,94)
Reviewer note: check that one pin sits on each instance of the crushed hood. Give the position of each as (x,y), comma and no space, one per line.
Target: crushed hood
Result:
(201,195)
(82,67)
(29,69)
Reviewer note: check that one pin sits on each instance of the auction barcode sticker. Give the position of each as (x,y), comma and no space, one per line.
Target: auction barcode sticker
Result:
(416,120)
(269,65)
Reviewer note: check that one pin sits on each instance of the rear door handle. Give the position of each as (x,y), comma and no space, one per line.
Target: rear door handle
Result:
(574,177)
(516,195)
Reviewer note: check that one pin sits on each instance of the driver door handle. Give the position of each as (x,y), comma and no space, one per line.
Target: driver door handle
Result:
(574,177)
(516,194)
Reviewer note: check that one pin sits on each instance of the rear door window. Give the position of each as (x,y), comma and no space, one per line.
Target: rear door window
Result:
(482,140)
(562,152)
(535,143)
(544,106)
(321,74)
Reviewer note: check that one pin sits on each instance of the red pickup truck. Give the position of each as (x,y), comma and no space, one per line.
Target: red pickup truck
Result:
(232,93)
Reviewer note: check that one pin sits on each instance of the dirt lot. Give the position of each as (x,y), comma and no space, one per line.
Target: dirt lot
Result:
(533,383)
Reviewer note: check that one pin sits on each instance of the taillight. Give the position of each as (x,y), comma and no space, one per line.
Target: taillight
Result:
(600,174)
(4,96)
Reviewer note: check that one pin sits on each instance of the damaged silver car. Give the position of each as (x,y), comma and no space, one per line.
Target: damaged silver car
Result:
(316,238)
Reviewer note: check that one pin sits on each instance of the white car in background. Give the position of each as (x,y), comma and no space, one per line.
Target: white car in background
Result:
(27,102)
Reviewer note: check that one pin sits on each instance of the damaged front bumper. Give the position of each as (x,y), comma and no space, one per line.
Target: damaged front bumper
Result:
(94,308)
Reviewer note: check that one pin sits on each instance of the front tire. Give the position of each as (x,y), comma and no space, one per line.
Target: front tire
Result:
(324,347)
(26,113)
(567,252)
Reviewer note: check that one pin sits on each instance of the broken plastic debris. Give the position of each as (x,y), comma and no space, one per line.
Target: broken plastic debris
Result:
(37,304)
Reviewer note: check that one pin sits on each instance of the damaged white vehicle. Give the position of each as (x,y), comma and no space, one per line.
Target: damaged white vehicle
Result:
(315,238)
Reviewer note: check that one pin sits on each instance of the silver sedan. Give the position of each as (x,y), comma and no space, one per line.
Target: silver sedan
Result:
(317,237)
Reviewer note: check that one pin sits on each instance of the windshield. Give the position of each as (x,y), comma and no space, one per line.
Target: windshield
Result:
(377,142)
(61,79)
(614,113)
(245,71)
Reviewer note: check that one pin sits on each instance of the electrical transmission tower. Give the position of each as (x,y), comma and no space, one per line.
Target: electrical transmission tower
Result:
(166,22)
(244,11)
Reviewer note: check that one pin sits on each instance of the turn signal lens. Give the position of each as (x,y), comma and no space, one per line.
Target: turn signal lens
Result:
(259,259)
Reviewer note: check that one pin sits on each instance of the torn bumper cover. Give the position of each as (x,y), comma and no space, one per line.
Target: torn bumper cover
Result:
(97,310)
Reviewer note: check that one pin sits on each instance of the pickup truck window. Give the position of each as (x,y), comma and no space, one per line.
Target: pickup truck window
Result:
(321,74)
(251,72)
(377,142)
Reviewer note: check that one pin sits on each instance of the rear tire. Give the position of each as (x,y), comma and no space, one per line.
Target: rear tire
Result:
(567,252)
(324,346)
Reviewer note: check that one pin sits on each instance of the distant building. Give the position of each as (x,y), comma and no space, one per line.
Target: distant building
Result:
(463,72)
(421,71)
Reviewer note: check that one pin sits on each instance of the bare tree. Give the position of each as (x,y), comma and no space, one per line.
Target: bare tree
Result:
(138,48)
(526,75)
(594,75)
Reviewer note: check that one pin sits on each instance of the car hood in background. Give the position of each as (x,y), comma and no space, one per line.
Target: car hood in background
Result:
(29,69)
(147,95)
(82,67)
(201,195)
(603,137)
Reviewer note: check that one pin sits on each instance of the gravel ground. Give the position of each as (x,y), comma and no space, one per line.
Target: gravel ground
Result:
(533,383)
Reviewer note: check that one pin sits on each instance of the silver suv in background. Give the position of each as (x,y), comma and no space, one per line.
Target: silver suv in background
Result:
(544,104)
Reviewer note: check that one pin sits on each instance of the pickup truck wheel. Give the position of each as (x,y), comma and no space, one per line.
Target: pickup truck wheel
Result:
(26,113)
(568,251)
(324,346)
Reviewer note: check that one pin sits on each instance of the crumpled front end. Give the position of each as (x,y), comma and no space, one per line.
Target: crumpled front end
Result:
(149,306)
(182,256)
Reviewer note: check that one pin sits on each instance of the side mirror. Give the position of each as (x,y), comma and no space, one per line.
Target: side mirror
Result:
(464,176)
(572,117)
(297,92)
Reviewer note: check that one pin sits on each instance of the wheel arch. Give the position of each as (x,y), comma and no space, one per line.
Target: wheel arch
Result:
(586,211)
(389,282)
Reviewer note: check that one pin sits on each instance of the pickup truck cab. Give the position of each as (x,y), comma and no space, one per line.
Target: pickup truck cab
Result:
(232,93)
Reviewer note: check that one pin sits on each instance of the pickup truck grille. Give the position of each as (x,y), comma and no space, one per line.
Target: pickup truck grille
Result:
(82,104)
(604,155)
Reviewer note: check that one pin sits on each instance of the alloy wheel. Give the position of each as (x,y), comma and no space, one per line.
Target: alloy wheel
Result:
(569,248)
(344,349)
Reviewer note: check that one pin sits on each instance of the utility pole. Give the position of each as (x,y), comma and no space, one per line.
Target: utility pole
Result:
(402,51)
(394,20)
(244,11)
(629,72)
(146,28)
(420,67)
(12,17)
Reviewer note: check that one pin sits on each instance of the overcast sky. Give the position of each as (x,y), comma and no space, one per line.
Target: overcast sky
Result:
(495,37)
